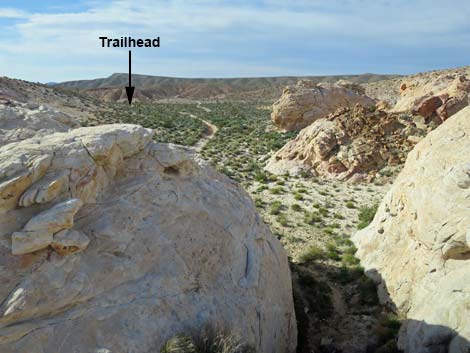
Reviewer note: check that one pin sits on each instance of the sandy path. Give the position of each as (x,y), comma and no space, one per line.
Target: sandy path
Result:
(210,131)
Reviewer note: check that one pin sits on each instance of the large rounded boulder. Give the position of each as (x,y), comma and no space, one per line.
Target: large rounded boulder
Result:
(306,102)
(112,243)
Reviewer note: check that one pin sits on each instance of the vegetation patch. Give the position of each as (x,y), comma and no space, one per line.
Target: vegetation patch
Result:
(366,215)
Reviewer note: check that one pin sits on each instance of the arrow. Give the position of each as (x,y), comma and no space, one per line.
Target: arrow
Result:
(130,89)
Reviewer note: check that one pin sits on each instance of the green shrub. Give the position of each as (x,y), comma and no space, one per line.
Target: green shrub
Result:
(261,177)
(350,250)
(332,251)
(296,207)
(311,218)
(277,190)
(349,260)
(276,208)
(283,221)
(312,253)
(329,231)
(350,204)
(298,196)
(366,215)
(259,203)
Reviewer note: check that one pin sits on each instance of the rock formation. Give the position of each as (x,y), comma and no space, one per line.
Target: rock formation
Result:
(112,243)
(301,105)
(20,121)
(351,142)
(434,94)
(418,245)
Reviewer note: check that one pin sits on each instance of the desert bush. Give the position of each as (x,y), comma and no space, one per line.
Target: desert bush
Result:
(259,203)
(312,217)
(312,253)
(323,211)
(332,251)
(276,208)
(282,220)
(277,190)
(366,215)
(298,197)
(349,260)
(208,341)
(338,216)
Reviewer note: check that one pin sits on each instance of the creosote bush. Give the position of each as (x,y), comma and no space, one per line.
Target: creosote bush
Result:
(312,253)
(366,215)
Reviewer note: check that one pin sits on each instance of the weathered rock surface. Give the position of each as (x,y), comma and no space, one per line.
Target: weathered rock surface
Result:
(145,241)
(418,245)
(441,94)
(19,121)
(350,142)
(301,105)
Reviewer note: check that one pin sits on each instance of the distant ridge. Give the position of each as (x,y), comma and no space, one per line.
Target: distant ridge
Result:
(159,87)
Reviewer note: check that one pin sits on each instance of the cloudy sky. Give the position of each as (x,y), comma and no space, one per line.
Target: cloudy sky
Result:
(57,40)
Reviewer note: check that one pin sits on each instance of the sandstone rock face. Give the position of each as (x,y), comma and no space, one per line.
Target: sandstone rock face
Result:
(125,243)
(301,105)
(418,245)
(19,121)
(350,142)
(434,93)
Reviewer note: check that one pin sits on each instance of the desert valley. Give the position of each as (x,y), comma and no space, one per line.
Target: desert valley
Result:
(281,215)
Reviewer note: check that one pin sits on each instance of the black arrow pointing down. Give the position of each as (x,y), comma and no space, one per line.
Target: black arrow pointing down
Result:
(130,89)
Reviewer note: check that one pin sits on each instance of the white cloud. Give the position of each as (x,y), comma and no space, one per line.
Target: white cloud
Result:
(223,33)
(12,13)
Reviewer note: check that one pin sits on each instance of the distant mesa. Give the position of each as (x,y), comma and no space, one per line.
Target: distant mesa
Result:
(111,89)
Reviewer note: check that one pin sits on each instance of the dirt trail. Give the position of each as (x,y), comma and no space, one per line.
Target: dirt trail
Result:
(210,131)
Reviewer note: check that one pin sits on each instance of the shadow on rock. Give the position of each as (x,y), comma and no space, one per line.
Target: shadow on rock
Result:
(338,311)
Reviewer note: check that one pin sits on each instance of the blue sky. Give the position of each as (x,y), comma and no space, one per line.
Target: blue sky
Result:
(53,40)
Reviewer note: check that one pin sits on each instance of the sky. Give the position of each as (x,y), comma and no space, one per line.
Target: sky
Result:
(58,40)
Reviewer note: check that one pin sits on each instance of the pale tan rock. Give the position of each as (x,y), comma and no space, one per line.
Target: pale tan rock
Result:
(19,121)
(382,105)
(53,220)
(30,241)
(434,93)
(301,105)
(418,245)
(173,246)
(69,241)
(348,145)
(46,190)
(18,179)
